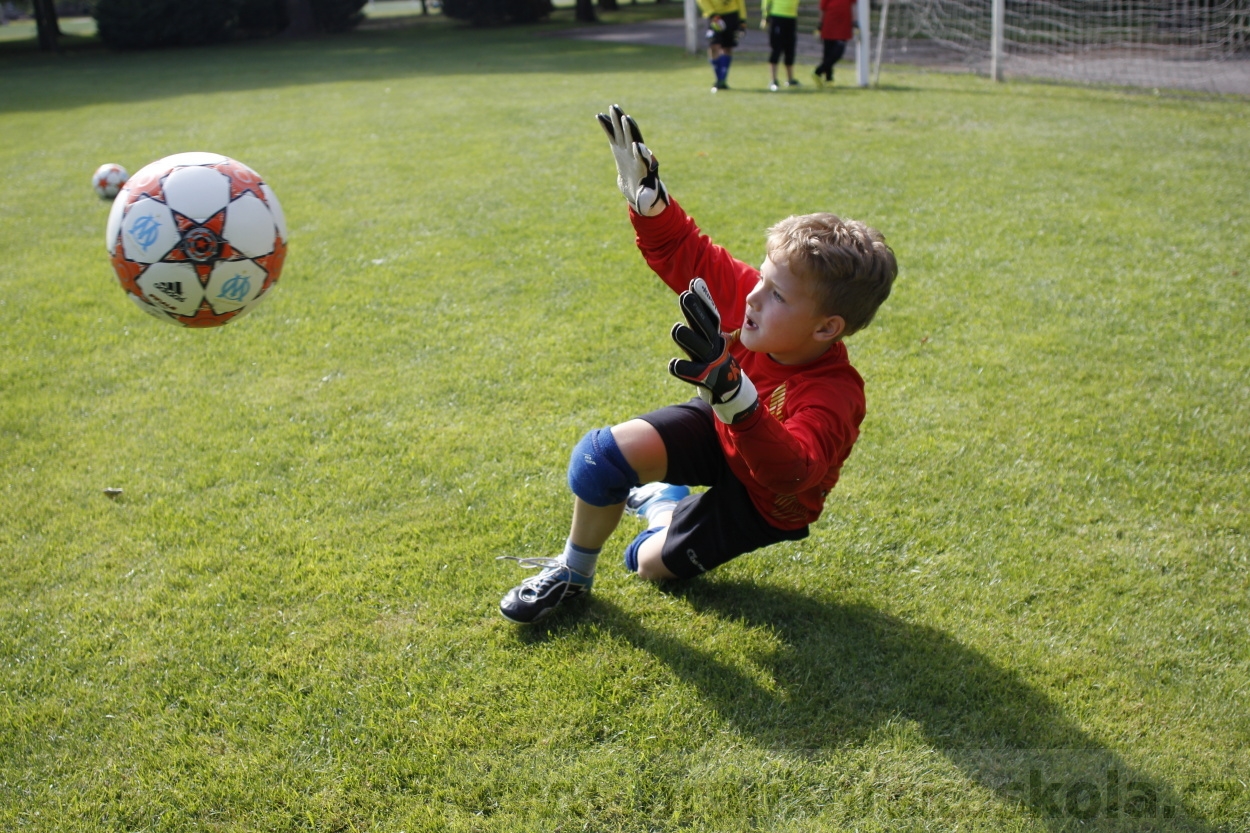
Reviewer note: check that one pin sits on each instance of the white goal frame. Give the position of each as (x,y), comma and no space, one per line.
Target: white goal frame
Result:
(1199,45)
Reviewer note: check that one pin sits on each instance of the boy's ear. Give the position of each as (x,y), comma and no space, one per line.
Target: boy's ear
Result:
(830,329)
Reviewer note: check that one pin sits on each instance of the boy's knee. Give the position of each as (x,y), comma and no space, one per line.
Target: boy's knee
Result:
(653,569)
(645,555)
(598,472)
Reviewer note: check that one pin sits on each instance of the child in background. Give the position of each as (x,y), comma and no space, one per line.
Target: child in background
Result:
(781,19)
(726,21)
(836,28)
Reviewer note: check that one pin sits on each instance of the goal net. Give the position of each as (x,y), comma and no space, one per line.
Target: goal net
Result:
(1188,44)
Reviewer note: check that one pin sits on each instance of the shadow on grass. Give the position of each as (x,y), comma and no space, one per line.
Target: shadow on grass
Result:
(91,75)
(814,93)
(847,670)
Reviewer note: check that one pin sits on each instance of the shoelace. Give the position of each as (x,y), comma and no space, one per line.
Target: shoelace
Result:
(545,563)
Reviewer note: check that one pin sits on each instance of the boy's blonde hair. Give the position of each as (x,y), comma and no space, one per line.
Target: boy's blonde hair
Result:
(849,265)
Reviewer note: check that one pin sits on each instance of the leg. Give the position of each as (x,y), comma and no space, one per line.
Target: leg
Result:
(727,40)
(720,49)
(775,49)
(834,49)
(703,530)
(707,530)
(791,46)
(644,450)
(602,469)
(714,52)
(650,554)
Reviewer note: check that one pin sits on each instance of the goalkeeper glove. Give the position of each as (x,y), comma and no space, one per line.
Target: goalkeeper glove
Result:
(637,170)
(711,368)
(717,23)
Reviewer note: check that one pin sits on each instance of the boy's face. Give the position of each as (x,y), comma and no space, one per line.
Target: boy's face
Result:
(782,318)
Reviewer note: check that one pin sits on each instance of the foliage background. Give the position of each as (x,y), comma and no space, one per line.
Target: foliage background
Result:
(142,24)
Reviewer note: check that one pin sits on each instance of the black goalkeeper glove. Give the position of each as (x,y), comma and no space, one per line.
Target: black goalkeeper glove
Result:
(637,170)
(711,368)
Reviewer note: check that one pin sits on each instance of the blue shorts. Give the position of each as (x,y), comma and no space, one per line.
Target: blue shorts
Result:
(720,524)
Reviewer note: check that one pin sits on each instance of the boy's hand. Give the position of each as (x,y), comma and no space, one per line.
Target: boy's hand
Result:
(637,170)
(711,368)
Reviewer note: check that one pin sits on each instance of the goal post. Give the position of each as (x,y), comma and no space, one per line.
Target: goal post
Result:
(692,27)
(863,41)
(997,11)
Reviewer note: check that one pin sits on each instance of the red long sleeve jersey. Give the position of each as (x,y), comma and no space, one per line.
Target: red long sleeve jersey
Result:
(837,19)
(789,452)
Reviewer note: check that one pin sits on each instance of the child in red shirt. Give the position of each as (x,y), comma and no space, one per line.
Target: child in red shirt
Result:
(779,403)
(837,27)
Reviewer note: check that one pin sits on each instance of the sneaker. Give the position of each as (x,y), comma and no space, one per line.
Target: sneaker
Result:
(773,87)
(794,82)
(719,85)
(642,498)
(541,593)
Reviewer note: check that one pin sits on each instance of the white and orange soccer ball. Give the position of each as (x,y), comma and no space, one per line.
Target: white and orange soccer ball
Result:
(108,179)
(197,239)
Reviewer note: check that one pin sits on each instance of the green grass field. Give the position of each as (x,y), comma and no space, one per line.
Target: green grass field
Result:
(1026,608)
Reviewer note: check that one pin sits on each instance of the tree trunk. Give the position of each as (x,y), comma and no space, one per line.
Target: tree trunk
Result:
(300,16)
(47,25)
(586,12)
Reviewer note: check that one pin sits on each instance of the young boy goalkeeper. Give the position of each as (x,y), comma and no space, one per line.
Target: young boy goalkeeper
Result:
(779,403)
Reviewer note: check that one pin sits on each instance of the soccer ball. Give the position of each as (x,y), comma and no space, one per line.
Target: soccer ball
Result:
(196,239)
(108,180)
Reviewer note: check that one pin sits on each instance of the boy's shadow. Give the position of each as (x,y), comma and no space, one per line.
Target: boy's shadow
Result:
(844,670)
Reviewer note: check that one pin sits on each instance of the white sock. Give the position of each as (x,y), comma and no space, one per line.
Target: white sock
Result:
(659,507)
(580,559)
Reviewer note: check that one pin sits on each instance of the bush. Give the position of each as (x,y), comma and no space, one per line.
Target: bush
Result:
(260,18)
(337,15)
(135,24)
(497,12)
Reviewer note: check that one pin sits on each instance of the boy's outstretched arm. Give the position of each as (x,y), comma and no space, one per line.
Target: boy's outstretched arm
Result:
(637,170)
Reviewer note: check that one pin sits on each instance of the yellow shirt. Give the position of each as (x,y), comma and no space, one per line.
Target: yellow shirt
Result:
(715,7)
(779,8)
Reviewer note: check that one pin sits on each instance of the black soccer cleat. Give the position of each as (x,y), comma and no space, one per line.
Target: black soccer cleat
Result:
(543,592)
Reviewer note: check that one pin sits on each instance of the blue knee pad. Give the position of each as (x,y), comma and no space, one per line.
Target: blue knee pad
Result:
(598,471)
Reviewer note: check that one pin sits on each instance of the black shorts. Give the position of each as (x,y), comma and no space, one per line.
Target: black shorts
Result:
(711,527)
(727,38)
(783,36)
